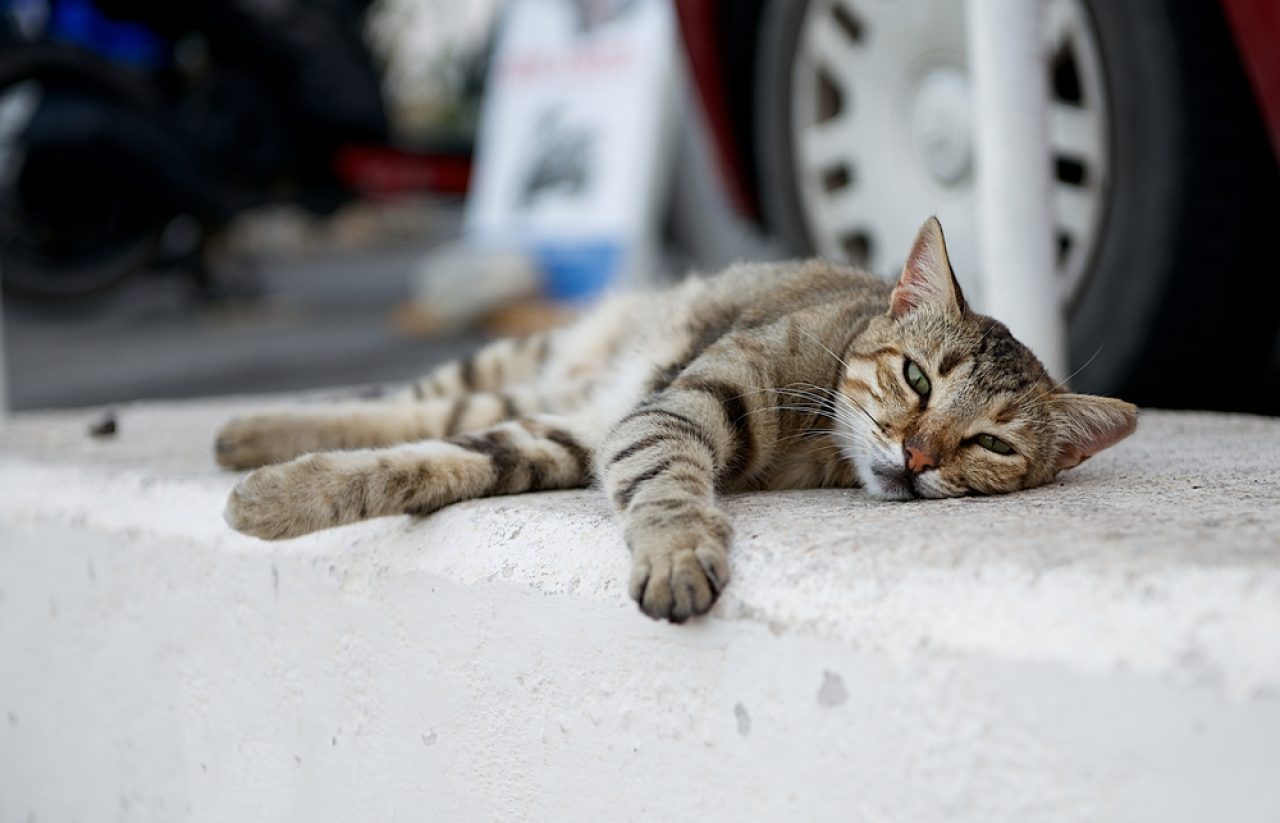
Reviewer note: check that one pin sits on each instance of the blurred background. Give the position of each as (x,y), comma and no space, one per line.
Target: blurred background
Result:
(205,198)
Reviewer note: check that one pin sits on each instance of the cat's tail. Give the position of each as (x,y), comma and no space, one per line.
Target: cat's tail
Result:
(502,363)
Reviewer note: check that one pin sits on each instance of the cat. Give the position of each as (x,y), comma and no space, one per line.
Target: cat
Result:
(766,376)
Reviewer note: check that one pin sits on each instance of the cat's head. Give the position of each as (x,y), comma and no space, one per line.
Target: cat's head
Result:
(940,401)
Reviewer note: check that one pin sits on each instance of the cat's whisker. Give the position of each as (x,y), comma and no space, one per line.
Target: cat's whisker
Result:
(1067,379)
(814,435)
(816,400)
(804,389)
(858,406)
(811,410)
(814,338)
(808,394)
(807,410)
(750,392)
(812,387)
(821,406)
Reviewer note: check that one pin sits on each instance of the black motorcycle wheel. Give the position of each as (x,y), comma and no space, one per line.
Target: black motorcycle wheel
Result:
(71,252)
(54,246)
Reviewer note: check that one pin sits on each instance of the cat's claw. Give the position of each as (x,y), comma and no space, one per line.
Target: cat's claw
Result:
(680,577)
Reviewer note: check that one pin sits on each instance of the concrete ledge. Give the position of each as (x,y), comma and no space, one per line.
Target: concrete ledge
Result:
(1105,648)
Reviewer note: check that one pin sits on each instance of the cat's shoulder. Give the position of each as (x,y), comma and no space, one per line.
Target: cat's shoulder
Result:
(811,272)
(790,283)
(761,292)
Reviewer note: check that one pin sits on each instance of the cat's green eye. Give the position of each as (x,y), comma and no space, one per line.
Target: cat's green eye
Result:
(916,378)
(994,444)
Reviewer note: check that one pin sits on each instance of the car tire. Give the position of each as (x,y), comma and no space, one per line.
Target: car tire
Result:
(1177,308)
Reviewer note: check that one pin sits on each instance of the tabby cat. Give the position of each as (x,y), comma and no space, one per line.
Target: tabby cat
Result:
(767,376)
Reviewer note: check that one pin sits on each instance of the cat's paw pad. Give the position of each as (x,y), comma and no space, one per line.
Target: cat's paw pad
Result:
(278,502)
(676,575)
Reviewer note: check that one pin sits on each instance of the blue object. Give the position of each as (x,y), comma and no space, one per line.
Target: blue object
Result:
(79,23)
(577,270)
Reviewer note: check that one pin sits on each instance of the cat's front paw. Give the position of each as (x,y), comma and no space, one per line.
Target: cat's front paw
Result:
(288,500)
(678,571)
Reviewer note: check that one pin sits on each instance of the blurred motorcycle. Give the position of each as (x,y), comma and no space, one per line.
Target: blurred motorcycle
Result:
(131,131)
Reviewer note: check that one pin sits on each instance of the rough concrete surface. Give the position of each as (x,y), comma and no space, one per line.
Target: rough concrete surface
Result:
(1105,648)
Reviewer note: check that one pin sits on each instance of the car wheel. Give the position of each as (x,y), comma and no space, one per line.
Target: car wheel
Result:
(1163,179)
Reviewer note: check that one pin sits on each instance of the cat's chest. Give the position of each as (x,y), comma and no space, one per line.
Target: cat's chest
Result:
(815,462)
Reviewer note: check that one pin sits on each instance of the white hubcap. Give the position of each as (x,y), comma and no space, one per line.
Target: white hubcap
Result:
(883,135)
(941,125)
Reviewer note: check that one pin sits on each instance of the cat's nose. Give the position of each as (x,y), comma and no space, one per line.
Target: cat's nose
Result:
(918,459)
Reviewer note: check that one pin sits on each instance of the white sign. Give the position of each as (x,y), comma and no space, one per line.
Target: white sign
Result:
(576,138)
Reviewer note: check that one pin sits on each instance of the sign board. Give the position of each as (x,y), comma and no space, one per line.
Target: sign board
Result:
(575,142)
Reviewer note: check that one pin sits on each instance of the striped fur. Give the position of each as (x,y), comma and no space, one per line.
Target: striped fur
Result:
(766,376)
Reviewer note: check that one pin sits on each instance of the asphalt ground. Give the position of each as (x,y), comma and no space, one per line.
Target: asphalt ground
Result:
(324,318)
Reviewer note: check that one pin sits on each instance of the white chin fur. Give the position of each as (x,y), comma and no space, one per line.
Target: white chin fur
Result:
(881,492)
(927,485)
(872,483)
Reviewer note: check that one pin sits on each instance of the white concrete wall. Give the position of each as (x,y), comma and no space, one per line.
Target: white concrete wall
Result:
(1106,649)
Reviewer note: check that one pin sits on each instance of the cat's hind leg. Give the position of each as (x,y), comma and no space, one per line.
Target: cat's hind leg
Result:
(506,362)
(320,491)
(274,437)
(578,353)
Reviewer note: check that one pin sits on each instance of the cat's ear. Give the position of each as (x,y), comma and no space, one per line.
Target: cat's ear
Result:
(927,278)
(1088,424)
